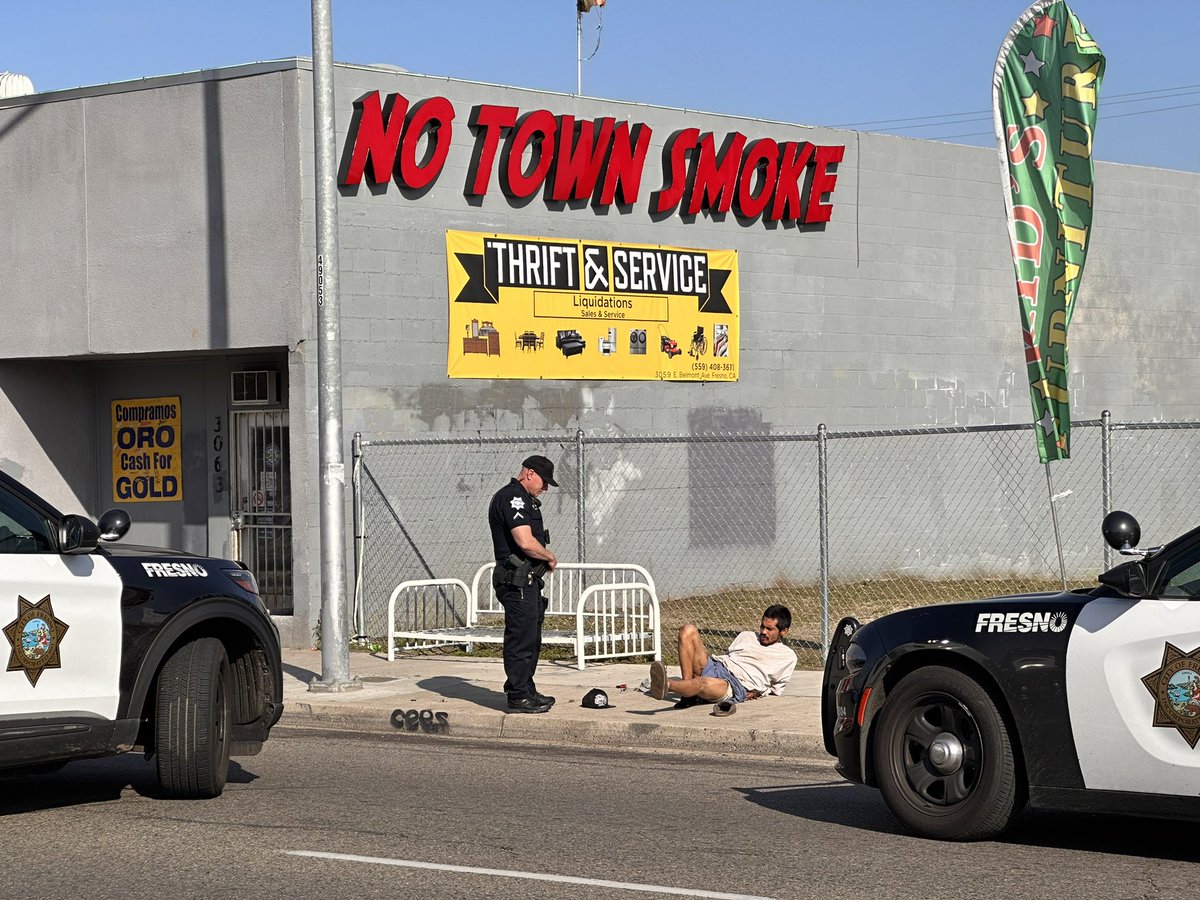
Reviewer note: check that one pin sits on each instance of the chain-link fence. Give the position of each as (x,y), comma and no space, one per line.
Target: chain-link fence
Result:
(829,524)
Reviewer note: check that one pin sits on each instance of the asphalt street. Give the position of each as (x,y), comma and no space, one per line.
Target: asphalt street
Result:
(323,813)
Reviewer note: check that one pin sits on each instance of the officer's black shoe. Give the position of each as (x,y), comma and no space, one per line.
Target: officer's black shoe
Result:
(542,698)
(527,705)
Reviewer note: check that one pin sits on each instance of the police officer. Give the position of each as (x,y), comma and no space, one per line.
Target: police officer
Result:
(519,541)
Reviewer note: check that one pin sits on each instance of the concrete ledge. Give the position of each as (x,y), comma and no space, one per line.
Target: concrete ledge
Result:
(572,731)
(464,700)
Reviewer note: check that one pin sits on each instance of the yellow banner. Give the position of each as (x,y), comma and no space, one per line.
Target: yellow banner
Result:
(146,450)
(530,307)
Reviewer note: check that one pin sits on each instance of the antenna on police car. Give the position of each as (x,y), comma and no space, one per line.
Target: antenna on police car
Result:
(582,6)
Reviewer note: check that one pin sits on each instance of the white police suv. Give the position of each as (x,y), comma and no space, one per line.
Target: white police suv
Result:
(111,647)
(1089,700)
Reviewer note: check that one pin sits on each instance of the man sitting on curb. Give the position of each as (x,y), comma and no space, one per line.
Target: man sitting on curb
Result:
(756,665)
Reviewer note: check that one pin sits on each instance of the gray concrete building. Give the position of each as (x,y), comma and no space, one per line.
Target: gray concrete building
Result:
(159,352)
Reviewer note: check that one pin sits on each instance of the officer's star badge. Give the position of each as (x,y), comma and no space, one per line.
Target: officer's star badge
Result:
(35,636)
(1175,687)
(518,503)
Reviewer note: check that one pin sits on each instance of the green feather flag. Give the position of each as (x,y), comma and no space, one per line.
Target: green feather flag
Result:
(1045,92)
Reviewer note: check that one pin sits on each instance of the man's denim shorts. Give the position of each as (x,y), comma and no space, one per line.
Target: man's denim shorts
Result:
(714,668)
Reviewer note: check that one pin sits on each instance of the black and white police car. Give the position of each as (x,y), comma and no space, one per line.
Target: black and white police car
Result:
(1089,700)
(112,647)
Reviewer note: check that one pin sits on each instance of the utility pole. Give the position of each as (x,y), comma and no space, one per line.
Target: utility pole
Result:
(335,641)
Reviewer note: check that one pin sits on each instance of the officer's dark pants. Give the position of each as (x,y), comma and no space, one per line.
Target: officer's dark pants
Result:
(524,612)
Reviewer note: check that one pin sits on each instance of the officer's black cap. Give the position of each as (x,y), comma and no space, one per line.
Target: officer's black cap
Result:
(543,467)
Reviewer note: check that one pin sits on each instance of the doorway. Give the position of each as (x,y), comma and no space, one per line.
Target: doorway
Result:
(261,502)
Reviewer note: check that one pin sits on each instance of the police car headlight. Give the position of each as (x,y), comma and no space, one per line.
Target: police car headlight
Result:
(856,658)
(244,579)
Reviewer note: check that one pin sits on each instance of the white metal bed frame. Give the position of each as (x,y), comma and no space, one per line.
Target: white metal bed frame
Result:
(616,614)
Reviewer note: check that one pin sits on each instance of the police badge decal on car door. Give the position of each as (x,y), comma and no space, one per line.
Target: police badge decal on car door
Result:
(35,636)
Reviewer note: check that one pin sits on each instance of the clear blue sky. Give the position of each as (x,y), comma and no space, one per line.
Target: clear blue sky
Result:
(837,62)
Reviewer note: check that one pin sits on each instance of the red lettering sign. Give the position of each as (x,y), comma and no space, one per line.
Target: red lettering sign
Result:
(580,155)
(429,118)
(715,181)
(376,136)
(601,161)
(534,132)
(626,158)
(762,157)
(377,131)
(487,121)
(678,145)
(793,163)
(823,182)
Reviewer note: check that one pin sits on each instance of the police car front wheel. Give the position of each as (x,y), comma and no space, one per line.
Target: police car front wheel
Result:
(943,757)
(192,722)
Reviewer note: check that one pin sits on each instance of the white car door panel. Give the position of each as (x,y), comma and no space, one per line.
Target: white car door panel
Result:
(62,654)
(1127,737)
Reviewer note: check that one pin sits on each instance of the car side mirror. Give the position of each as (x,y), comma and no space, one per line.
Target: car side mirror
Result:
(1121,530)
(77,534)
(1128,578)
(113,524)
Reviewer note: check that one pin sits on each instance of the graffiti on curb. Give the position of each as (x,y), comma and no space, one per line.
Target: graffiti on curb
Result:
(424,721)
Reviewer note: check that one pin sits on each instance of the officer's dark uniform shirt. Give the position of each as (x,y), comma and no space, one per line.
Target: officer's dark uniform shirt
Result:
(512,507)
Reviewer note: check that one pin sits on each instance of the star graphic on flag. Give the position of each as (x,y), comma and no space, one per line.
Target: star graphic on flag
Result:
(1043,26)
(1035,106)
(1033,65)
(1047,422)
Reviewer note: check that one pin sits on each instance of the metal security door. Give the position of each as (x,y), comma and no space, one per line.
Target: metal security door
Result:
(261,502)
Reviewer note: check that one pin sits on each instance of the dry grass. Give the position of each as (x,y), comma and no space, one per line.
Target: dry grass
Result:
(722,614)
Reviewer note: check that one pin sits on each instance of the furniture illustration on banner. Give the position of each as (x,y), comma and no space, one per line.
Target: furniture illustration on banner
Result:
(483,338)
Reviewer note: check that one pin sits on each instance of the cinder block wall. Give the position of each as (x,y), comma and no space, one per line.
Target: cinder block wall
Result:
(901,312)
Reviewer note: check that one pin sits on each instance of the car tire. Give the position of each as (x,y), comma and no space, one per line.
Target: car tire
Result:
(943,757)
(192,722)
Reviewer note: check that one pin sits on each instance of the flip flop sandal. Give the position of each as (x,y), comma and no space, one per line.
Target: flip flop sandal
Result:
(725,708)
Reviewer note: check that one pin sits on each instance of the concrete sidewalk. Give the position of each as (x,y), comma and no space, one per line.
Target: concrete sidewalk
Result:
(464,699)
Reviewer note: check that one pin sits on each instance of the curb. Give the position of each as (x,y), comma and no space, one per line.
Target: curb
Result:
(570,732)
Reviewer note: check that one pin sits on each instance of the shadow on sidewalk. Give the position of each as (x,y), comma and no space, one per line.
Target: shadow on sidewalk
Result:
(665,708)
(461,689)
(301,674)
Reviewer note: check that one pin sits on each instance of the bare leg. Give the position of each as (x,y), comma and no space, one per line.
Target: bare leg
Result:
(693,656)
(711,689)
